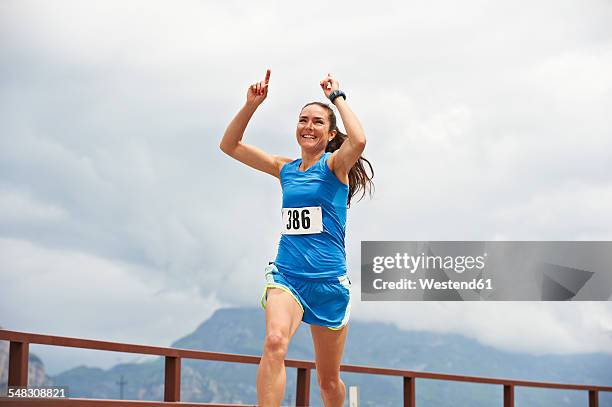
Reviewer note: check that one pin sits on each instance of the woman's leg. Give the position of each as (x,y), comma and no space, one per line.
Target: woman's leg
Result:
(283,317)
(329,346)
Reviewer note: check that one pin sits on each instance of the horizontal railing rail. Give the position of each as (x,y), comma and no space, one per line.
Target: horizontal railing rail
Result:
(18,373)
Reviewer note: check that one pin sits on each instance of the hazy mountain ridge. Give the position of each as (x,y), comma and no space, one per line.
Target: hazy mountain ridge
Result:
(241,331)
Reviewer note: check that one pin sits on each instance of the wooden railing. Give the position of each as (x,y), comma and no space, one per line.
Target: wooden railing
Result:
(18,373)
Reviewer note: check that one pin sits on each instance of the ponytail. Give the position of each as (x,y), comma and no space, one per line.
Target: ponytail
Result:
(360,180)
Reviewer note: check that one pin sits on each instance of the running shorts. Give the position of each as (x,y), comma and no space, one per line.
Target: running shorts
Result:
(324,301)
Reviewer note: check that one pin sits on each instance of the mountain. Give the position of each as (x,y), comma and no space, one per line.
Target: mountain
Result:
(240,330)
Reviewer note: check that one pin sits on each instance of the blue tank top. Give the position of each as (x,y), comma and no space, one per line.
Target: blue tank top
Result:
(317,255)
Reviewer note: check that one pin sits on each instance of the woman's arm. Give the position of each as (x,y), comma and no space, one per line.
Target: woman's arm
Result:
(231,143)
(343,159)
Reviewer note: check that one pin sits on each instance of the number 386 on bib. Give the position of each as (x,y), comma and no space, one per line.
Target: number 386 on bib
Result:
(302,221)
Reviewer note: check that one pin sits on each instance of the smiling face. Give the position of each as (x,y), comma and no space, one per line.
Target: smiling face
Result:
(313,129)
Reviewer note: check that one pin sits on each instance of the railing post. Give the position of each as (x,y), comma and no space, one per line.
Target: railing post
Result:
(18,363)
(302,393)
(409,393)
(508,395)
(593,398)
(172,382)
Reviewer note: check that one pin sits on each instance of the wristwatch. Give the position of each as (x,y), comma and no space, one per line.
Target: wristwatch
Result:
(332,96)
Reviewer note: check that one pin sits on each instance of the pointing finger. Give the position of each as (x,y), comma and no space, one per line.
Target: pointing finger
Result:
(267,76)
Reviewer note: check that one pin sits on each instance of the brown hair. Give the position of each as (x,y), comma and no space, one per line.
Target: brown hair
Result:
(359,179)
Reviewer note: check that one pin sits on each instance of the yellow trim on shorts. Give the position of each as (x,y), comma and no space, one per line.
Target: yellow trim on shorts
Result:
(347,312)
(282,287)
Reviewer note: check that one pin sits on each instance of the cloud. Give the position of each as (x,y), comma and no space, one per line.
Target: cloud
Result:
(21,209)
(529,327)
(69,293)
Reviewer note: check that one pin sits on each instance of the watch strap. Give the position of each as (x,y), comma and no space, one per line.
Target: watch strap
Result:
(332,96)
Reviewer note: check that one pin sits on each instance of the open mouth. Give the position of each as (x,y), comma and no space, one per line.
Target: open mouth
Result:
(308,136)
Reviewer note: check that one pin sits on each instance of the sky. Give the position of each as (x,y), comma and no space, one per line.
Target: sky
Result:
(121,220)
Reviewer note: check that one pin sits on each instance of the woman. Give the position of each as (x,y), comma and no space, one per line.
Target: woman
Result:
(307,281)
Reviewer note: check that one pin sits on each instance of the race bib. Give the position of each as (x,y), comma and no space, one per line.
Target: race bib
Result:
(302,221)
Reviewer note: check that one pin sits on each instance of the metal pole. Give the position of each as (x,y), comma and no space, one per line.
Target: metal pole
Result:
(121,383)
(509,395)
(409,392)
(353,396)
(18,363)
(302,393)
(593,398)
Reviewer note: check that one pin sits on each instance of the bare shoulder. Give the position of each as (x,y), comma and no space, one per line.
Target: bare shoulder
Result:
(340,172)
(331,160)
(280,161)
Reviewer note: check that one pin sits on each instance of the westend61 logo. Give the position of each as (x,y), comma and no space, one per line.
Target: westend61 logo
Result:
(411,263)
(486,271)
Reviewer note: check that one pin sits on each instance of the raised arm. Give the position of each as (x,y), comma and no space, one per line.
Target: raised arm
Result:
(343,159)
(231,143)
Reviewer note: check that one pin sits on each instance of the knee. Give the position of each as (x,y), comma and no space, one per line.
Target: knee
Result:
(331,385)
(276,345)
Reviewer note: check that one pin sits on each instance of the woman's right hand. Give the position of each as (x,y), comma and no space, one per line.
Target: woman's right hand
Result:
(257,92)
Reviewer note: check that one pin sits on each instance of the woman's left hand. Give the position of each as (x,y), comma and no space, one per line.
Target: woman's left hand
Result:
(329,84)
